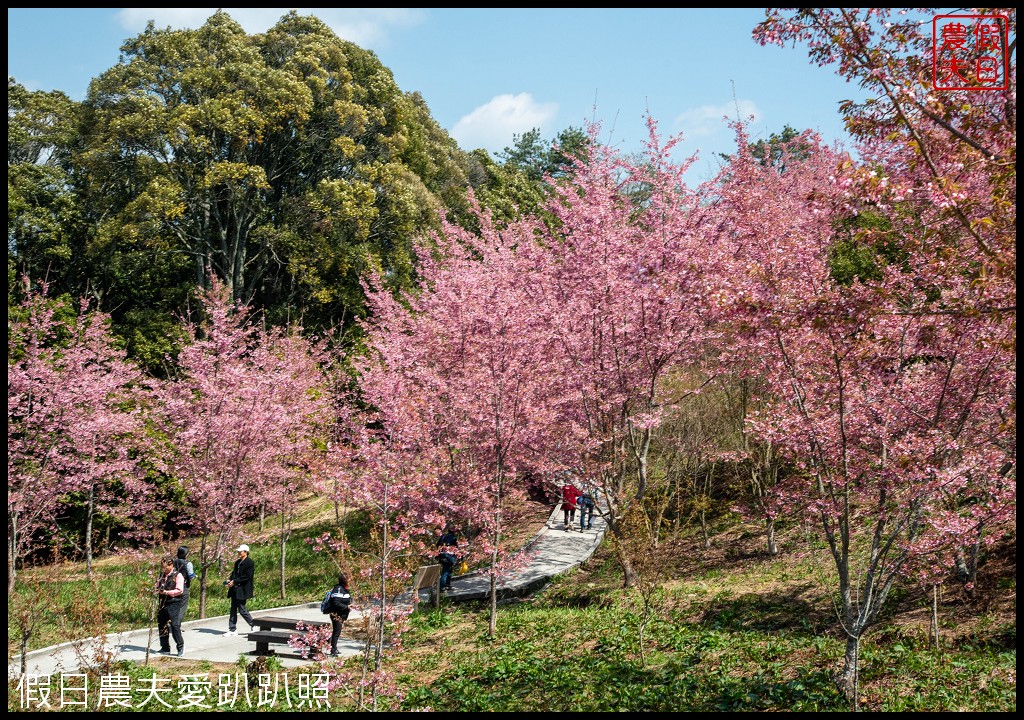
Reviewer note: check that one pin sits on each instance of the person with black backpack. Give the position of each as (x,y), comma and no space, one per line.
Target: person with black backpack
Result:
(336,604)
(184,566)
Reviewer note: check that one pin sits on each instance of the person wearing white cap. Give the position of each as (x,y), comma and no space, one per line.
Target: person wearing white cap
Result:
(240,588)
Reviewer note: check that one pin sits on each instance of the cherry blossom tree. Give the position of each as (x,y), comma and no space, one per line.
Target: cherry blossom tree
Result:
(73,417)
(468,348)
(241,415)
(532,348)
(391,475)
(886,393)
(920,406)
(626,295)
(113,445)
(301,387)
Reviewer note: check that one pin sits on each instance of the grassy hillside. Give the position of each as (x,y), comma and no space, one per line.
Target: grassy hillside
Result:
(723,629)
(730,630)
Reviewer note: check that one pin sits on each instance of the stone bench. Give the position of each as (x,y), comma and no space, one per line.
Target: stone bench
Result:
(277,630)
(428,577)
(264,638)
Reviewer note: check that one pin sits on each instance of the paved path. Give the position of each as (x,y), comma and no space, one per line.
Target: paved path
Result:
(554,550)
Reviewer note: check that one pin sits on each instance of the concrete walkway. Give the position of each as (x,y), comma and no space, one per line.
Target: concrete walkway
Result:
(554,551)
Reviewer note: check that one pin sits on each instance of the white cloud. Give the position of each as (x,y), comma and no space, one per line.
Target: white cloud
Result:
(493,125)
(707,120)
(368,28)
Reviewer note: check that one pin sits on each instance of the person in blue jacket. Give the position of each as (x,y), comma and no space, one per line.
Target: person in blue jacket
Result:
(447,549)
(585,502)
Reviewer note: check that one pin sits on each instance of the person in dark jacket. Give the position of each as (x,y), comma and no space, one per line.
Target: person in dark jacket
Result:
(170,587)
(447,546)
(586,504)
(340,600)
(183,565)
(240,588)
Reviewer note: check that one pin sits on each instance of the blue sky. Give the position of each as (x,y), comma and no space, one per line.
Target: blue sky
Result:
(490,74)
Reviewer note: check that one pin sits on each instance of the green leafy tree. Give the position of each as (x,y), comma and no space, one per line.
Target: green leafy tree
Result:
(539,159)
(42,211)
(518,183)
(507,192)
(288,164)
(779,149)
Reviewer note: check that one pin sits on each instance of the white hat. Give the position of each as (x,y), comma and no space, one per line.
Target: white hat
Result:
(243,548)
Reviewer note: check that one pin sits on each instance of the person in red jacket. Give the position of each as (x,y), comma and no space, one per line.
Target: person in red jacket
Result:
(569,495)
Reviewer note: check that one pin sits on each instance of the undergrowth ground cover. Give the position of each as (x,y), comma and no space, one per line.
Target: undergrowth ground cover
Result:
(738,636)
(726,629)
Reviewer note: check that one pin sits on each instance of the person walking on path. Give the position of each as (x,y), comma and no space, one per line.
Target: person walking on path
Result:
(570,493)
(340,599)
(183,565)
(586,505)
(447,547)
(170,587)
(240,588)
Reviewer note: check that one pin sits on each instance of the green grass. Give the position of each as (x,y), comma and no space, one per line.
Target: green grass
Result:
(536,664)
(746,654)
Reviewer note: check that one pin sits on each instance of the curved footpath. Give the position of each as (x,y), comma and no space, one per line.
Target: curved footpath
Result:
(554,550)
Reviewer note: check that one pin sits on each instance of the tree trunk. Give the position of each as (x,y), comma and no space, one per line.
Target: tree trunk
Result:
(967,565)
(24,651)
(284,544)
(89,511)
(705,531)
(203,564)
(151,618)
(492,625)
(848,680)
(678,501)
(935,615)
(773,549)
(12,543)
(378,651)
(626,562)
